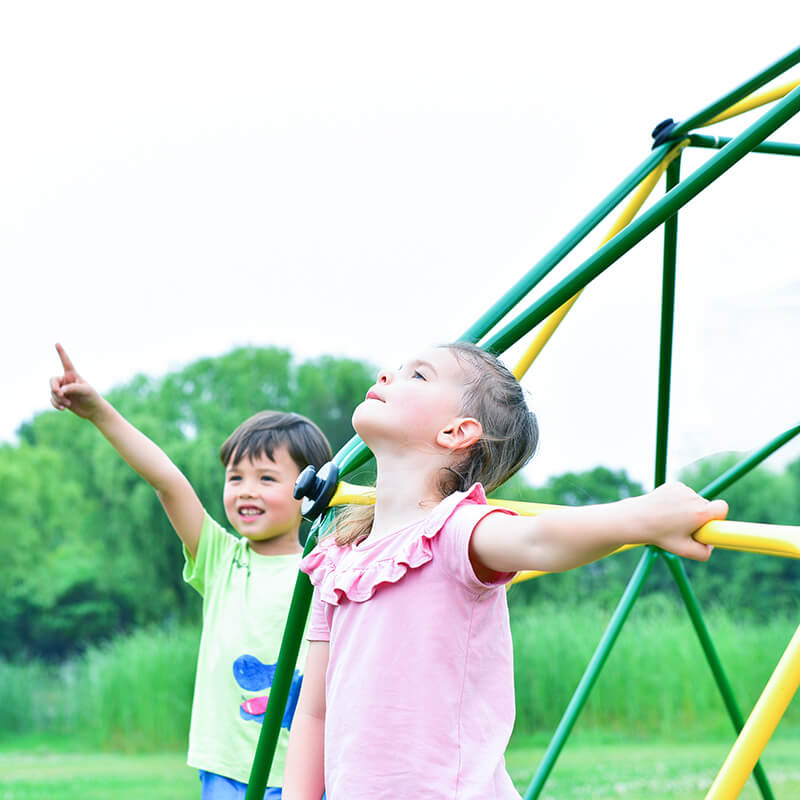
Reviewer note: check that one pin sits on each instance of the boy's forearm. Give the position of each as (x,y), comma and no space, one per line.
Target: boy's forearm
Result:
(184,509)
(178,498)
(141,453)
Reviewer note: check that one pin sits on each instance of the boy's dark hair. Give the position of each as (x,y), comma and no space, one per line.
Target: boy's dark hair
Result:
(262,433)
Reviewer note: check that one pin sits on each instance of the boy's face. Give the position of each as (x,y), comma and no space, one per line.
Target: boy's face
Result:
(259,502)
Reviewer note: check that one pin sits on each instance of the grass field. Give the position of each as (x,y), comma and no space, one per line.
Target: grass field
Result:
(134,693)
(649,771)
(112,723)
(96,776)
(585,771)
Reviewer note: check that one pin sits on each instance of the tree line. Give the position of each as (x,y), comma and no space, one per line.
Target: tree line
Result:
(88,553)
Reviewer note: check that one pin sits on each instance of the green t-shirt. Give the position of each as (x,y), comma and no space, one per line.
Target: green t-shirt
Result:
(246,599)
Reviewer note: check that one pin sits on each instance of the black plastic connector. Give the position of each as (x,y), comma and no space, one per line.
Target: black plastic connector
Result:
(662,132)
(315,489)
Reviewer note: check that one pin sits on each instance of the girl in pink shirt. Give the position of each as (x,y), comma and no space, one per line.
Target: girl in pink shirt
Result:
(408,690)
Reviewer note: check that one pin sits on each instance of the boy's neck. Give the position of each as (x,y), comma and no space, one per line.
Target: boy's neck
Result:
(285,545)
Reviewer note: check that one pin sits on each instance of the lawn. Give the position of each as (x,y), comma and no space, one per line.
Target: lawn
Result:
(585,771)
(42,775)
(649,771)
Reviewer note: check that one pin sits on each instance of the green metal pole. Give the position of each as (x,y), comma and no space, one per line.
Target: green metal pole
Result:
(678,571)
(488,320)
(739,93)
(667,326)
(623,609)
(738,470)
(482,326)
(680,577)
(282,680)
(718,142)
(352,456)
(349,447)
(632,234)
(589,678)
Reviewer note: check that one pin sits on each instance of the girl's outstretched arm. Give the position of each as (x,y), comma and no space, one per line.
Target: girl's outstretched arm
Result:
(304,777)
(564,538)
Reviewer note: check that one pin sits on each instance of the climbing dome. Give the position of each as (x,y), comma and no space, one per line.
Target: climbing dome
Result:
(510,320)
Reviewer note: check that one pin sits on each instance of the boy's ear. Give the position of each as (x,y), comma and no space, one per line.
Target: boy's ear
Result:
(462,433)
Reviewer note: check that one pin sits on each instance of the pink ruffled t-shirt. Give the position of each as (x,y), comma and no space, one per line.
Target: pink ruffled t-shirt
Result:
(420,686)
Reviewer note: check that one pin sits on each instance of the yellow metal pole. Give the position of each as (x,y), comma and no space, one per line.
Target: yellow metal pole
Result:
(350,494)
(754,101)
(746,537)
(766,715)
(550,325)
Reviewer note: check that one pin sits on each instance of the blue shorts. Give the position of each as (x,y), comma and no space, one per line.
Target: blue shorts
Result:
(218,787)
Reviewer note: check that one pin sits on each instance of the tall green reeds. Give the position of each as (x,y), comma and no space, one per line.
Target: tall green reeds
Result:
(656,681)
(134,694)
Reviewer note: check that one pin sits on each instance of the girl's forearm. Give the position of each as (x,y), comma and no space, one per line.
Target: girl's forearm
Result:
(565,538)
(304,777)
(578,535)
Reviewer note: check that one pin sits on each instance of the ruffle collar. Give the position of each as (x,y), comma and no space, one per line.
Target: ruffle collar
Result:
(356,572)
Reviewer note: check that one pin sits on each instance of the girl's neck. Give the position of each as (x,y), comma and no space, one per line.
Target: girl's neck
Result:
(406,490)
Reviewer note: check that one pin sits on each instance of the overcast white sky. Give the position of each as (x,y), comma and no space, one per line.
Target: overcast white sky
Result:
(362,178)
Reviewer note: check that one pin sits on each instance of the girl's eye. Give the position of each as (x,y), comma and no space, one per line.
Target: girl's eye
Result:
(267,478)
(418,375)
(233,478)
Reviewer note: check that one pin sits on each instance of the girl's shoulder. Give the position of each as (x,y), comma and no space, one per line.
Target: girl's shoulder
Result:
(356,571)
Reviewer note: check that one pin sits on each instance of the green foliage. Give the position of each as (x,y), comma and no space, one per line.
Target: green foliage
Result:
(133,694)
(87,550)
(598,485)
(52,584)
(109,682)
(328,389)
(656,681)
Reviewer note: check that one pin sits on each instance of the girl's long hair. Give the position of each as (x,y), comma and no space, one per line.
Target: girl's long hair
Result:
(493,396)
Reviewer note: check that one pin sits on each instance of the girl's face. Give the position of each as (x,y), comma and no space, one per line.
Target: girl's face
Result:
(412,404)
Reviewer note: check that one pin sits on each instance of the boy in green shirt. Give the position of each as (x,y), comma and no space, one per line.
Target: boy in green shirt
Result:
(246,582)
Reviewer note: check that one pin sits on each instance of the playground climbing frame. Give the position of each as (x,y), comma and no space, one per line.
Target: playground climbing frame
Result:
(546,313)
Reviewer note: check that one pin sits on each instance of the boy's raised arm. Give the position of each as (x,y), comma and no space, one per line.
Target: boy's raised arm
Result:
(184,509)
(564,538)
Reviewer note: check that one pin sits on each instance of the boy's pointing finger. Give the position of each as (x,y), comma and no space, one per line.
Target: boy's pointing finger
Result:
(65,361)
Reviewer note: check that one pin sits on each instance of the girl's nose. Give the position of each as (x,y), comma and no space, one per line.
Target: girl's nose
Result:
(384,376)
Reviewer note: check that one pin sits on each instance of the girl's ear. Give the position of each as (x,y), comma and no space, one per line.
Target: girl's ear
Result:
(462,433)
